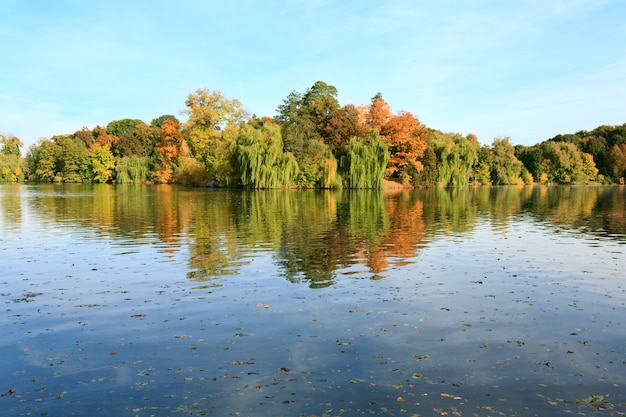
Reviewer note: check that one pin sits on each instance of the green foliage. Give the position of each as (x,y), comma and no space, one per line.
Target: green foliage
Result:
(564,163)
(158,121)
(504,167)
(427,177)
(597,143)
(306,117)
(261,161)
(456,157)
(318,166)
(365,163)
(101,164)
(73,159)
(211,130)
(118,127)
(131,170)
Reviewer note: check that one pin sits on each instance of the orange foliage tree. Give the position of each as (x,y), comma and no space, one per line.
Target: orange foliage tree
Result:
(167,150)
(407,140)
(406,137)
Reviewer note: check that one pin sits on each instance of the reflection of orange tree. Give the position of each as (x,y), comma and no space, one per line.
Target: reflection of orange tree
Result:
(401,239)
(168,217)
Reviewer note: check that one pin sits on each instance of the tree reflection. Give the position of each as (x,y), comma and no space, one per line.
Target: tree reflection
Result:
(311,237)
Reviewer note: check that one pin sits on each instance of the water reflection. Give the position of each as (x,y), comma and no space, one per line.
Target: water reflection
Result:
(311,235)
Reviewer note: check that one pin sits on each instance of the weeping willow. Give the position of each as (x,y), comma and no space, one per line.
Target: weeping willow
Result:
(365,163)
(131,169)
(260,159)
(456,159)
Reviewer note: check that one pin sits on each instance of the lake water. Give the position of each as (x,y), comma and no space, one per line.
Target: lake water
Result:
(165,301)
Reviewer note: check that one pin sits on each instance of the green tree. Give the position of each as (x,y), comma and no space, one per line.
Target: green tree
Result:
(427,177)
(457,157)
(41,161)
(505,168)
(564,163)
(261,161)
(131,169)
(118,127)
(72,159)
(101,164)
(365,163)
(158,121)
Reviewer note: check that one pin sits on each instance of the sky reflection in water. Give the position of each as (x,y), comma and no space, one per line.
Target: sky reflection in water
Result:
(167,301)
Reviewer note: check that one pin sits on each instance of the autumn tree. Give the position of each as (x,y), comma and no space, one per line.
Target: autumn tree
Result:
(616,159)
(166,151)
(10,145)
(344,124)
(407,140)
(211,130)
(12,166)
(378,113)
(127,144)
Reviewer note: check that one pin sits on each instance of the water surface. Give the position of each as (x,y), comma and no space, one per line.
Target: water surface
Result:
(163,300)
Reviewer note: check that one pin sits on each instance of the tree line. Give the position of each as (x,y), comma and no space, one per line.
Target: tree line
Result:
(312,142)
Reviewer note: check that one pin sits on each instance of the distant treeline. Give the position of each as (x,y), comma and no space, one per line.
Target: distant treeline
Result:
(312,142)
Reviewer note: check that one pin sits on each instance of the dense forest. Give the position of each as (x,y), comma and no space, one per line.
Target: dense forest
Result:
(312,142)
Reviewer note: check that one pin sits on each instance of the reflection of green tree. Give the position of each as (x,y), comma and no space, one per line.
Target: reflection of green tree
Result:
(10,204)
(594,209)
(506,202)
(311,245)
(453,210)
(214,249)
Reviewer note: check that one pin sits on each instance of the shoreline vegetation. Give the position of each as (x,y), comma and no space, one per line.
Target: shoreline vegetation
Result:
(312,142)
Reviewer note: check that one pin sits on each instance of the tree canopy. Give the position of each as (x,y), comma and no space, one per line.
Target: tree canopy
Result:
(313,141)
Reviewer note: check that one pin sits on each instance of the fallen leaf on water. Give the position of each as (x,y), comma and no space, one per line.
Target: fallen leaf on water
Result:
(400,399)
(418,357)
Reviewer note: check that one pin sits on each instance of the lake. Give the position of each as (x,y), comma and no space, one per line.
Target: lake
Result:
(166,301)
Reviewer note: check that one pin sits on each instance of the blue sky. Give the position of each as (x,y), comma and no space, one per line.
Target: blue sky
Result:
(526,69)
